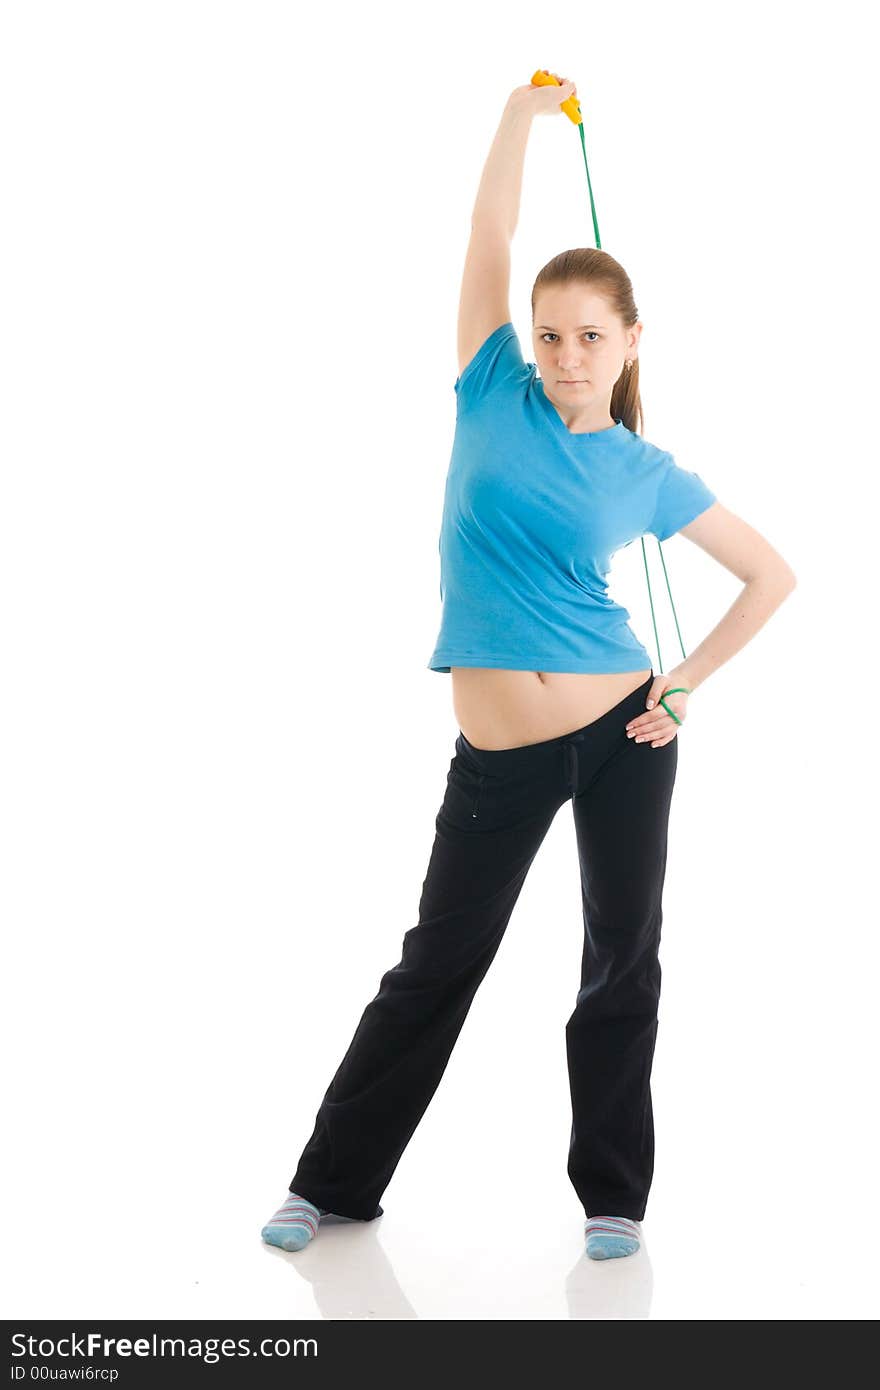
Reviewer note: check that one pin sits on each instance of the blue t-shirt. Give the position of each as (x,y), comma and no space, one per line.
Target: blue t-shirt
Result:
(532,516)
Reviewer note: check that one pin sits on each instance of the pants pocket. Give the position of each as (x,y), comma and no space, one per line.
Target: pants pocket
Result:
(481,779)
(464,792)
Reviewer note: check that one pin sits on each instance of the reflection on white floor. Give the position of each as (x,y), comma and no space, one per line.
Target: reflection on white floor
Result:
(351,1276)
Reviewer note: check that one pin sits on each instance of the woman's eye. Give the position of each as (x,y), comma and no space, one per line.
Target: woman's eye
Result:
(589,334)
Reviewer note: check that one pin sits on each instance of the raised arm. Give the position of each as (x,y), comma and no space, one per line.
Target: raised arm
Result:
(485,287)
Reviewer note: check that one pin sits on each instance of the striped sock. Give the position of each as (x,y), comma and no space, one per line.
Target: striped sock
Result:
(294,1223)
(609,1236)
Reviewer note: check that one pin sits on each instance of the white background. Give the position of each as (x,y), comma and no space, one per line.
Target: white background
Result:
(232,246)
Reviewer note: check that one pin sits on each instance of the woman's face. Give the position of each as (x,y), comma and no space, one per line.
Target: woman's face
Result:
(580,349)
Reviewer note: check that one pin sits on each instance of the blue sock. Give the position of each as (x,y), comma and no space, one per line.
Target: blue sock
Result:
(610,1236)
(294,1224)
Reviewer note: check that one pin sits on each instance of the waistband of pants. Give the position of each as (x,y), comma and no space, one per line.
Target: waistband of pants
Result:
(499,758)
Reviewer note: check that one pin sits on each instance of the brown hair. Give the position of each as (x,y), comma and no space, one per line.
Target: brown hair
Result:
(590,265)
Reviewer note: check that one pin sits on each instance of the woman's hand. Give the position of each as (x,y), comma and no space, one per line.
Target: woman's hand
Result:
(656,724)
(542,101)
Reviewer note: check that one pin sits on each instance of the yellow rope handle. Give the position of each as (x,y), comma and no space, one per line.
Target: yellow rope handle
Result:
(571,106)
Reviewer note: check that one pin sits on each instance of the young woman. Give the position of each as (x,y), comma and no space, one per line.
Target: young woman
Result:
(556,700)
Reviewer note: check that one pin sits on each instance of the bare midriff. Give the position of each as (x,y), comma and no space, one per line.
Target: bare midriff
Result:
(505,709)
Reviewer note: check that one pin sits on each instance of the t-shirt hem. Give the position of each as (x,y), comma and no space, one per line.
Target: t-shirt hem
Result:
(443,661)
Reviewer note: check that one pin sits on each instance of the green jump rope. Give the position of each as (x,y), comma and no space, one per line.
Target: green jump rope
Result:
(572,109)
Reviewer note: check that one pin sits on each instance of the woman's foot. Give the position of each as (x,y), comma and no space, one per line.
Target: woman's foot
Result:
(610,1236)
(294,1224)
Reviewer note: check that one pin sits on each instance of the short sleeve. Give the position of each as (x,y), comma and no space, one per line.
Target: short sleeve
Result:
(498,361)
(681,498)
